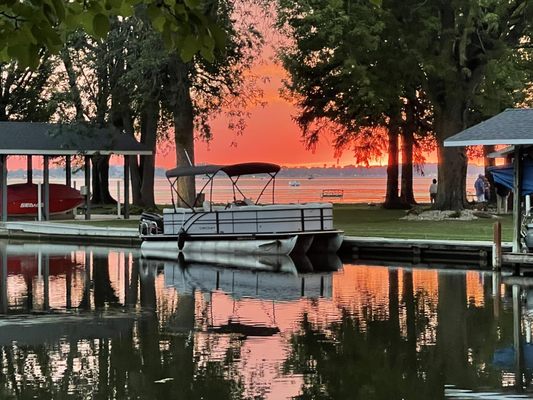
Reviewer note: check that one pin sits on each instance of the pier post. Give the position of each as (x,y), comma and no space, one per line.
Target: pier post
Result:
(3,279)
(88,187)
(118,198)
(497,246)
(517,199)
(46,184)
(39,202)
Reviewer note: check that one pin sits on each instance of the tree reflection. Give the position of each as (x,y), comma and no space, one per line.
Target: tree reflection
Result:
(365,357)
(128,355)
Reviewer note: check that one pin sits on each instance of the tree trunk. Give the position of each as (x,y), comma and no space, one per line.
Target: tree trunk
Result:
(409,128)
(183,123)
(392,200)
(100,181)
(407,195)
(452,160)
(73,85)
(149,122)
(122,119)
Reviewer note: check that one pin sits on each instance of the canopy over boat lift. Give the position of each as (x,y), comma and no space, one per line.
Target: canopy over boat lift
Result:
(52,140)
(514,126)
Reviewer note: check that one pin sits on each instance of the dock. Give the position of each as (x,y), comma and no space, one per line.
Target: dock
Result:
(417,251)
(385,251)
(80,233)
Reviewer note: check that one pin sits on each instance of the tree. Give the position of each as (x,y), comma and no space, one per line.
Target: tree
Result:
(24,94)
(453,44)
(348,66)
(90,71)
(29,26)
(197,90)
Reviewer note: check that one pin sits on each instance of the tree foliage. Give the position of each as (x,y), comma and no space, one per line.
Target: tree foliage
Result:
(456,44)
(25,94)
(28,26)
(412,67)
(353,76)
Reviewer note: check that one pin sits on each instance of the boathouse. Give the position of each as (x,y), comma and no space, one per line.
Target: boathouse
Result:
(63,140)
(514,127)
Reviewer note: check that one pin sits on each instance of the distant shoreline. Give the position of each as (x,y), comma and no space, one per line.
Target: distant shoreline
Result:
(117,172)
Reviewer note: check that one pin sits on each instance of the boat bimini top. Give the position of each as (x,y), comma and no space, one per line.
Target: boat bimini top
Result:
(233,171)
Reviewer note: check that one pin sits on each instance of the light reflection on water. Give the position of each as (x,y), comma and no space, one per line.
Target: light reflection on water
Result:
(91,322)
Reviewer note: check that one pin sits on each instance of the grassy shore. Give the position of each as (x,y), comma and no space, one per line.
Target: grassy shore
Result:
(374,221)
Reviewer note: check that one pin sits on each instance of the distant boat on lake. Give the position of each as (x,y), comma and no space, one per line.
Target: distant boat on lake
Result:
(294,183)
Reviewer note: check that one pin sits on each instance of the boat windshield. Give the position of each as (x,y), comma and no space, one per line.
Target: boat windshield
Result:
(233,172)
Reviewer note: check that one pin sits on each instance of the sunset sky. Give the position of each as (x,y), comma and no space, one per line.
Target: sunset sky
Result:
(271,134)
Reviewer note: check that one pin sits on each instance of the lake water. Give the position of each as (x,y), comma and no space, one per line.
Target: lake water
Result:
(288,190)
(355,189)
(91,322)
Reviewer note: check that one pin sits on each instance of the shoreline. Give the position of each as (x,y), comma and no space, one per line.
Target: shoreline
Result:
(413,251)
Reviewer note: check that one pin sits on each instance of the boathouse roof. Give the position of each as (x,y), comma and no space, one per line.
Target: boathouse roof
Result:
(41,138)
(512,126)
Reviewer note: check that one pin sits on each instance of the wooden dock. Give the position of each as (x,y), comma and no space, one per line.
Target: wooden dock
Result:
(418,251)
(69,233)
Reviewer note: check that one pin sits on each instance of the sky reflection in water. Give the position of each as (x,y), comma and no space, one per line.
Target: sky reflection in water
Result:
(90,322)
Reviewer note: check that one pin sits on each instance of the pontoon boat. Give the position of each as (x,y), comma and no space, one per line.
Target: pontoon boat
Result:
(240,226)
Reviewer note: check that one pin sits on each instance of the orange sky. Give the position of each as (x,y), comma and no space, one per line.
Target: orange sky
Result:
(271,134)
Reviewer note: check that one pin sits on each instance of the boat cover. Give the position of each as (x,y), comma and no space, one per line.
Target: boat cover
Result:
(231,170)
(250,168)
(504,175)
(193,170)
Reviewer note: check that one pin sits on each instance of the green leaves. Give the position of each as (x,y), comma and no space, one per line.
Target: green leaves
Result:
(28,26)
(100,25)
(186,29)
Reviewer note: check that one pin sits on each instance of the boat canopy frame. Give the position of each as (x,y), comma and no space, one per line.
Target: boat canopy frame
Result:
(233,171)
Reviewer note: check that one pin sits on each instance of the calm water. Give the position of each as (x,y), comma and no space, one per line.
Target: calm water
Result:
(88,322)
(355,189)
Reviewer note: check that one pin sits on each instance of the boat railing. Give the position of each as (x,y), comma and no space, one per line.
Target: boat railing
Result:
(256,216)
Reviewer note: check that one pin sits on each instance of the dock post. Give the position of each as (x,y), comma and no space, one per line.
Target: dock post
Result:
(3,279)
(118,198)
(39,202)
(497,246)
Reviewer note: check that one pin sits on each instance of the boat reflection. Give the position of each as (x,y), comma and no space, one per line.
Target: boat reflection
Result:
(278,281)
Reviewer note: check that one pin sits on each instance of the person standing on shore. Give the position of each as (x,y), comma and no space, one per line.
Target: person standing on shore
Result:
(433,191)
(479,186)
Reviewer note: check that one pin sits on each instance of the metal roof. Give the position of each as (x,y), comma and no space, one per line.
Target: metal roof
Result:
(41,138)
(512,126)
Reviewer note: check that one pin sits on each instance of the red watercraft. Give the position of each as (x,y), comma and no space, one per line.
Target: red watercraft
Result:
(22,199)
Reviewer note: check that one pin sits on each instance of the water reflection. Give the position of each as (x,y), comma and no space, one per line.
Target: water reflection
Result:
(89,322)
